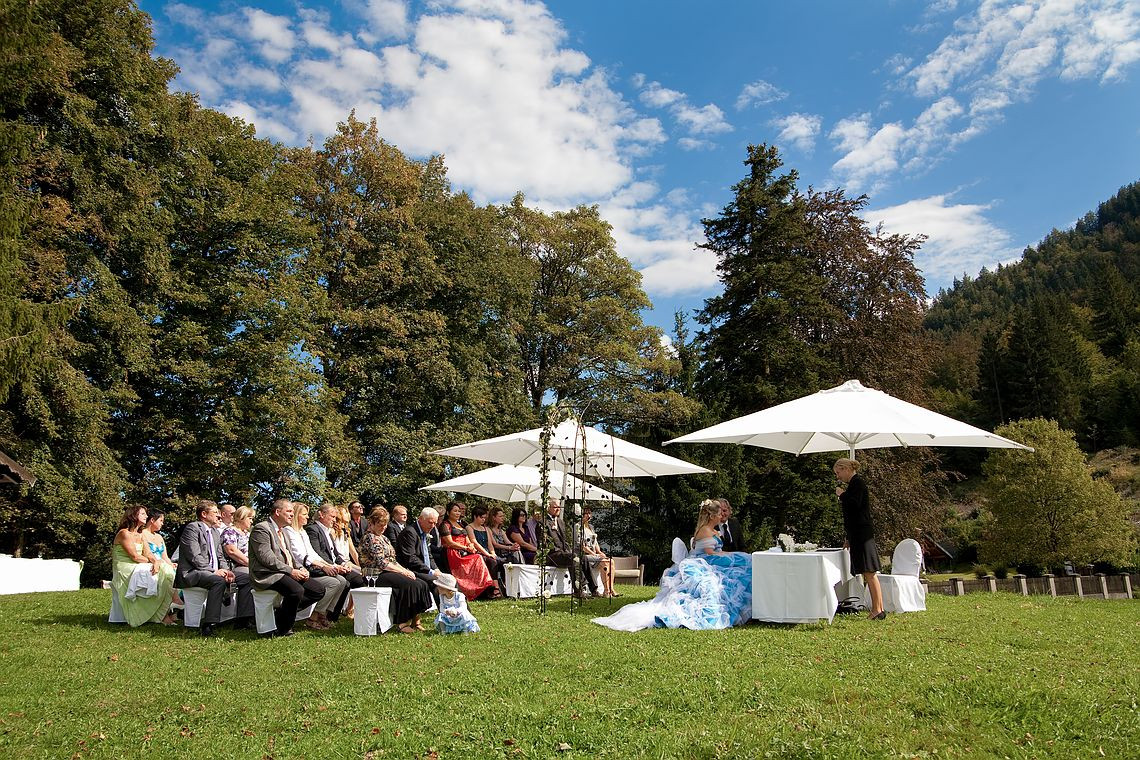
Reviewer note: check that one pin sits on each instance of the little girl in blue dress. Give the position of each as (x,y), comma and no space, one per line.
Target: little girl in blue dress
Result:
(453,617)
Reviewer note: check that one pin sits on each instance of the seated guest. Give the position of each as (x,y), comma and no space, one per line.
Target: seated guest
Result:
(521,532)
(225,516)
(414,547)
(397,523)
(453,617)
(561,553)
(201,563)
(410,595)
(235,545)
(463,560)
(272,568)
(342,536)
(357,524)
(595,557)
(156,545)
(130,552)
(327,576)
(483,543)
(323,536)
(507,550)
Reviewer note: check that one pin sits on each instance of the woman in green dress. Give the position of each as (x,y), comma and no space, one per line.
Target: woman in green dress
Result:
(128,552)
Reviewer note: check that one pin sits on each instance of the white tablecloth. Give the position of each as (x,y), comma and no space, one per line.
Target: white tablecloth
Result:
(372,610)
(522,581)
(19,575)
(797,587)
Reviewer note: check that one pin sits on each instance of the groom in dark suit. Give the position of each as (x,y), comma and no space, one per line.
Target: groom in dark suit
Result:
(201,564)
(729,528)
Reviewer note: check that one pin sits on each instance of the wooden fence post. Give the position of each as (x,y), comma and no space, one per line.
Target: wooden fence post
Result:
(1021,585)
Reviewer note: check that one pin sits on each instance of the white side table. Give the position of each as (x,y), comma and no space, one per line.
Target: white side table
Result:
(372,610)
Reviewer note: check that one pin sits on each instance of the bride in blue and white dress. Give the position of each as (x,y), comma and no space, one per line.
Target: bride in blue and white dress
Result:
(706,590)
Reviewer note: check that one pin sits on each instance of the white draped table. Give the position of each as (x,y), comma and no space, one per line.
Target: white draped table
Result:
(19,575)
(372,610)
(522,581)
(797,587)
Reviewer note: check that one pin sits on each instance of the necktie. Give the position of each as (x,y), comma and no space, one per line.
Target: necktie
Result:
(727,535)
(424,547)
(211,537)
(285,548)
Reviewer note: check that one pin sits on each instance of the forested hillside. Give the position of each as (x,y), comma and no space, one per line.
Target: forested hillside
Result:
(1054,335)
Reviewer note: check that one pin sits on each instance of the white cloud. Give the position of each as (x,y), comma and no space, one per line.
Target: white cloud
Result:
(694,143)
(705,120)
(759,93)
(799,130)
(657,96)
(389,18)
(273,32)
(960,239)
(695,120)
(996,56)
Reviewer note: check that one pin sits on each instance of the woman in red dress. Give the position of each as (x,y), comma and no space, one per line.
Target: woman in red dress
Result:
(465,563)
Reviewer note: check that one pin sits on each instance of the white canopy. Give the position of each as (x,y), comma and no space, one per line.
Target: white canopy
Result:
(847,417)
(508,482)
(607,456)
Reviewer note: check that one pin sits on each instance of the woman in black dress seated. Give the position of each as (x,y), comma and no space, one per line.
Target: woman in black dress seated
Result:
(410,595)
(856,505)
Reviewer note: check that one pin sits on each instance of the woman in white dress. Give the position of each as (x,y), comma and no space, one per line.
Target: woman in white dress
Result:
(707,589)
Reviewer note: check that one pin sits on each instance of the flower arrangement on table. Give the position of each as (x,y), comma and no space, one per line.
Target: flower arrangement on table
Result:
(788,543)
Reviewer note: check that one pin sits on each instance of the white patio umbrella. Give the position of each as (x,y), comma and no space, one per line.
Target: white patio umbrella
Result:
(606,455)
(508,482)
(847,417)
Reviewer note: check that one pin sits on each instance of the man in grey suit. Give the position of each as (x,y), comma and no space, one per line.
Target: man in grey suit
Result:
(271,568)
(201,564)
(563,552)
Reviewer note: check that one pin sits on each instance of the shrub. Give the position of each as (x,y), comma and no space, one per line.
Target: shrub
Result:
(980,571)
(1001,571)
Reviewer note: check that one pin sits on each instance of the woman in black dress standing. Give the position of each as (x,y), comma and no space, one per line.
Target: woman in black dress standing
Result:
(856,504)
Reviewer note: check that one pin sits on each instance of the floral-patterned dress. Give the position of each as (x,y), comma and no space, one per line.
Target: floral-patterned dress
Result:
(410,596)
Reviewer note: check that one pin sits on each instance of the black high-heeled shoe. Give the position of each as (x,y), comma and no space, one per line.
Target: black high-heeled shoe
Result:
(881,616)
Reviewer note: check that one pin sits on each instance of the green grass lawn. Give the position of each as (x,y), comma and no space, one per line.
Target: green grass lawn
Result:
(975,676)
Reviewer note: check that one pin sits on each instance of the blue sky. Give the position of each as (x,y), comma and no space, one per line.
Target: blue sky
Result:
(982,125)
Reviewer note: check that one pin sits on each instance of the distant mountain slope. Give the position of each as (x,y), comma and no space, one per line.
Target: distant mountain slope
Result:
(1055,335)
(1071,263)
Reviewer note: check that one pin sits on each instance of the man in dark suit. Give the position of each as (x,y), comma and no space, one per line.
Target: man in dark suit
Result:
(563,552)
(730,529)
(201,564)
(320,534)
(357,524)
(414,547)
(271,568)
(397,524)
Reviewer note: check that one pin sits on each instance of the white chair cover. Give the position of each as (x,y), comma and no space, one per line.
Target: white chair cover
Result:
(116,615)
(907,559)
(902,591)
(194,599)
(680,551)
(264,603)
